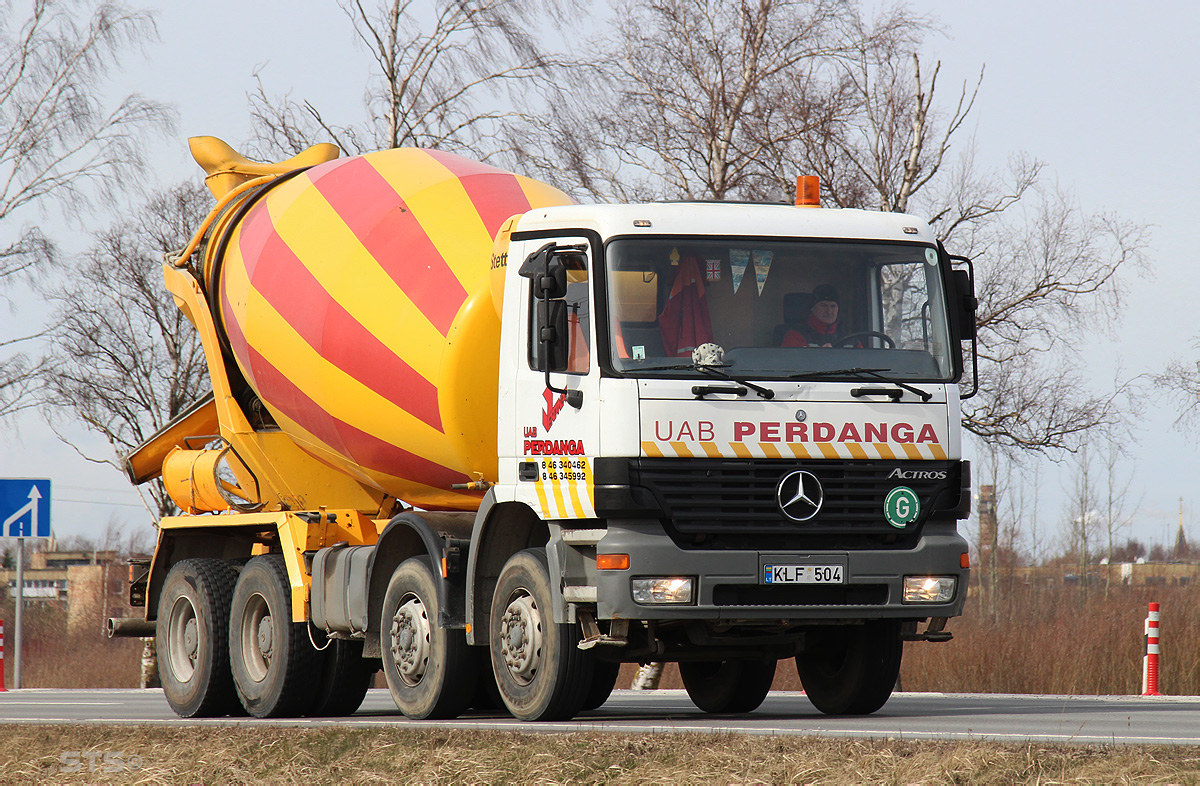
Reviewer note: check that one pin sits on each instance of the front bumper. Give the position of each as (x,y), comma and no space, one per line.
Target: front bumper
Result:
(730,587)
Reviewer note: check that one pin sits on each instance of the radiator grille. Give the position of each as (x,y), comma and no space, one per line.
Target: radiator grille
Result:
(717,496)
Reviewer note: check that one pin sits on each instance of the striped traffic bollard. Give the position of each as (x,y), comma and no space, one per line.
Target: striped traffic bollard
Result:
(2,688)
(1150,659)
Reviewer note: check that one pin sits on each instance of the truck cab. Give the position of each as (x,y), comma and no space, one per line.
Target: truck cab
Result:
(710,466)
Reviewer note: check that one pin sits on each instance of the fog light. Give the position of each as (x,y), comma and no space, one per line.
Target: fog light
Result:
(929,589)
(670,589)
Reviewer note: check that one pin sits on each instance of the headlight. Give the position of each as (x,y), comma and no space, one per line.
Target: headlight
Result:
(929,589)
(666,589)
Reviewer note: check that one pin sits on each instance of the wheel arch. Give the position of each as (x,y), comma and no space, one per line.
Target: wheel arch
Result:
(234,545)
(501,530)
(413,535)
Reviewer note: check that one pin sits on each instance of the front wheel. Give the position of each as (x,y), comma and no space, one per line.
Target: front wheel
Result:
(541,672)
(851,669)
(728,685)
(604,679)
(430,671)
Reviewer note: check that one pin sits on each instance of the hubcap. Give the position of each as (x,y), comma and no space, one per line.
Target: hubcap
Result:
(521,638)
(258,638)
(410,640)
(183,647)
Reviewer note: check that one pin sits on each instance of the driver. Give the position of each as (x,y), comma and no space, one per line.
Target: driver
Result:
(821,329)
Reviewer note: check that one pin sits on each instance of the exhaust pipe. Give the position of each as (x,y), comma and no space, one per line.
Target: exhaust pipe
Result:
(131,627)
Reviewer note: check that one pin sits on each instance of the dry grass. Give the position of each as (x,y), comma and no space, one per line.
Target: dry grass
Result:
(54,658)
(1040,640)
(1045,640)
(1062,641)
(250,755)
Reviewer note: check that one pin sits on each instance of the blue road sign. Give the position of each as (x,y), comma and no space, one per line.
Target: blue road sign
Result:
(25,507)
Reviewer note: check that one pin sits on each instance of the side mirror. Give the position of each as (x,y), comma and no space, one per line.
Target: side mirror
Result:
(553,282)
(964,303)
(553,343)
(546,269)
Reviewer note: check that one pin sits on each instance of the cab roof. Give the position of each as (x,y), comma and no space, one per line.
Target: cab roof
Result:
(728,219)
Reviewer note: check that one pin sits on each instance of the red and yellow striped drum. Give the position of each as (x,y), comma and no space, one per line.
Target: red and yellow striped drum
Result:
(357,300)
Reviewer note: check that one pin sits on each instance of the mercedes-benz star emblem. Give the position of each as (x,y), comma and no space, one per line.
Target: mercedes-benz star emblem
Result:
(799,495)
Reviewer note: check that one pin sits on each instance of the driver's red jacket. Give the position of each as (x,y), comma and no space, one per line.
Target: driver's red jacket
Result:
(812,332)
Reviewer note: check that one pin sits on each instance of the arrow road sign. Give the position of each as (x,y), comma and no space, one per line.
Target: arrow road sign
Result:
(25,507)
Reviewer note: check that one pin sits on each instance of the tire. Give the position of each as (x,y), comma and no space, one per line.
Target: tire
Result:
(727,686)
(192,638)
(541,673)
(487,693)
(345,678)
(274,664)
(430,671)
(851,670)
(604,679)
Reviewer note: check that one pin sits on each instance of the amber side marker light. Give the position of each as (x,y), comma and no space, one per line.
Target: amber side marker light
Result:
(808,191)
(612,561)
(964,560)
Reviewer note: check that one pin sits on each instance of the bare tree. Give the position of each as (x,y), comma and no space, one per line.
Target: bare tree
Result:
(1180,383)
(1048,272)
(1083,520)
(60,138)
(703,100)
(1117,508)
(439,78)
(125,360)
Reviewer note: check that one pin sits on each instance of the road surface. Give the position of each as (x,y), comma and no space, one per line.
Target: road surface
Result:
(913,716)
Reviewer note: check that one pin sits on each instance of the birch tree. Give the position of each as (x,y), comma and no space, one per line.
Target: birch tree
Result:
(125,360)
(62,141)
(448,75)
(697,99)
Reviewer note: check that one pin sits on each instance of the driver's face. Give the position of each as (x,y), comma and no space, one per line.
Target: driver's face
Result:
(826,311)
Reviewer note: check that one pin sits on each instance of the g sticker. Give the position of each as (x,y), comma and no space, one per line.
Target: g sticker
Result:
(931,258)
(901,507)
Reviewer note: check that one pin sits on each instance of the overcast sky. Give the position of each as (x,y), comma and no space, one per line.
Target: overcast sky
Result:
(1103,92)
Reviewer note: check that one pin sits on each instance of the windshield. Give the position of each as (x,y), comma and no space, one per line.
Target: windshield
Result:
(778,308)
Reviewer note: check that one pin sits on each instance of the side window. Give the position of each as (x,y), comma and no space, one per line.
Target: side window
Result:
(905,299)
(572,312)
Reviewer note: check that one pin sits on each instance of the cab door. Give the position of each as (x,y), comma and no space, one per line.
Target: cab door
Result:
(554,399)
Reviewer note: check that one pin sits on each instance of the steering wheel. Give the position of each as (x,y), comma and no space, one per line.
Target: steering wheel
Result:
(845,340)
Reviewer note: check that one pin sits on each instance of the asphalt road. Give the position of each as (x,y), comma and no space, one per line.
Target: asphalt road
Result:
(916,716)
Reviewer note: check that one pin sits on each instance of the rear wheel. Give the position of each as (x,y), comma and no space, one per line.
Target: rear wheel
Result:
(727,685)
(345,678)
(274,664)
(541,673)
(487,693)
(192,638)
(430,670)
(852,669)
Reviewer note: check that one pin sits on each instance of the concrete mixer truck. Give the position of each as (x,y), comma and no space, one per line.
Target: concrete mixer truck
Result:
(497,444)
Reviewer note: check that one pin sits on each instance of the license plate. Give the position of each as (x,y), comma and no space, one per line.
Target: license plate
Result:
(803,574)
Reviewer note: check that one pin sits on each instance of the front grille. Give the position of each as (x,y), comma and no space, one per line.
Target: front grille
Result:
(722,496)
(801,595)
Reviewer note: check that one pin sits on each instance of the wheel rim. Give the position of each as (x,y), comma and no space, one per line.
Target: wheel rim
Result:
(258,638)
(521,637)
(410,635)
(183,630)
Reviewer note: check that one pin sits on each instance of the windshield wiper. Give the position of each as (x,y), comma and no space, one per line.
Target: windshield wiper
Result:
(766,393)
(715,371)
(866,372)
